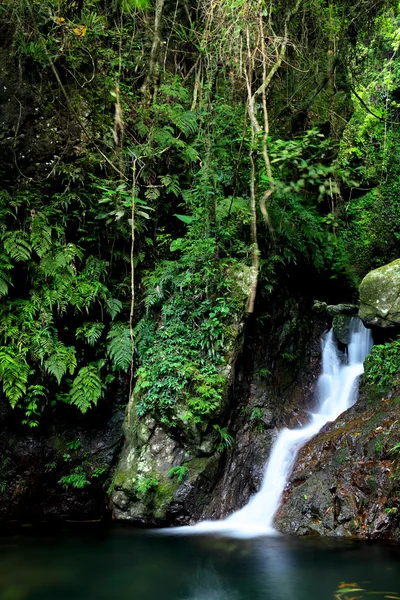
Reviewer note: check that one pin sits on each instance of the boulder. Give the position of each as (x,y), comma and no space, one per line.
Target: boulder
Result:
(380,297)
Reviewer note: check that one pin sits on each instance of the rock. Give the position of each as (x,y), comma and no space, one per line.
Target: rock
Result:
(195,476)
(33,462)
(146,486)
(319,307)
(380,296)
(341,328)
(346,480)
(342,309)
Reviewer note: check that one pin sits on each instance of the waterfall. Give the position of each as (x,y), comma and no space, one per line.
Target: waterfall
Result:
(337,389)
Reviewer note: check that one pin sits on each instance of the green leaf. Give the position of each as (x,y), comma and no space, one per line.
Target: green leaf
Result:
(185,218)
(90,332)
(40,234)
(114,307)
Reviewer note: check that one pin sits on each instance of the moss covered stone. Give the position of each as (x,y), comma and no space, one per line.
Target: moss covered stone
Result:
(380,296)
(341,328)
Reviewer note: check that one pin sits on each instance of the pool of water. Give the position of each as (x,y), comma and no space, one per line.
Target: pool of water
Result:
(97,563)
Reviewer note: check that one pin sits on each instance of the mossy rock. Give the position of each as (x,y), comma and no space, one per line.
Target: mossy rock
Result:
(341,328)
(344,308)
(380,296)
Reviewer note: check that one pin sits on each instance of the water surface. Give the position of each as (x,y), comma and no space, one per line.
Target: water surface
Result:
(97,563)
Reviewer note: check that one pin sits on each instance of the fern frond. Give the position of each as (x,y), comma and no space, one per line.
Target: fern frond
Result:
(189,154)
(119,348)
(85,292)
(90,332)
(5,279)
(86,389)
(14,371)
(61,260)
(113,307)
(186,121)
(17,245)
(62,359)
(42,342)
(40,234)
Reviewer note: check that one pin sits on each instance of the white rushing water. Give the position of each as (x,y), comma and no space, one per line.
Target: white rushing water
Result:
(337,389)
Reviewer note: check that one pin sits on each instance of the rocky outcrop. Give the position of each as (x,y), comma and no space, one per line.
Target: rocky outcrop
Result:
(268,386)
(162,462)
(341,318)
(380,296)
(347,479)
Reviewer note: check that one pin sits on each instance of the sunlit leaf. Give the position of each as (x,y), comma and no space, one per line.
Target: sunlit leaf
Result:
(80,31)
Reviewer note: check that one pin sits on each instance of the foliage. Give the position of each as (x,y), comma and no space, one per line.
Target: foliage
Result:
(76,479)
(86,388)
(382,365)
(370,148)
(146,485)
(226,440)
(132,232)
(346,591)
(120,346)
(179,472)
(181,354)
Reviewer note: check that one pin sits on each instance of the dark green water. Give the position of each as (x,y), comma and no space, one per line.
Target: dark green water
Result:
(93,563)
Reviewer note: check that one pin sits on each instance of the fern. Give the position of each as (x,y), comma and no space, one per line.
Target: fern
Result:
(119,348)
(61,260)
(186,121)
(62,359)
(171,182)
(14,371)
(40,234)
(114,307)
(42,341)
(90,332)
(86,389)
(5,280)
(17,245)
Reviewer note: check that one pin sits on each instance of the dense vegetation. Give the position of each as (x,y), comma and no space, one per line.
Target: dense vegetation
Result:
(164,148)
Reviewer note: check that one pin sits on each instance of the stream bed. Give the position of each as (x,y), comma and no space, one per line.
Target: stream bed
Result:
(94,562)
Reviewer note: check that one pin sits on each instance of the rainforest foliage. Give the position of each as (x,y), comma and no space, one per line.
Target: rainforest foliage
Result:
(155,149)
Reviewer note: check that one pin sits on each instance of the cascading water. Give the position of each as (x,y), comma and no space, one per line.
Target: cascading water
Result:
(337,390)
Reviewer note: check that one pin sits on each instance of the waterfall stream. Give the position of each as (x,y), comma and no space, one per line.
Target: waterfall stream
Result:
(337,389)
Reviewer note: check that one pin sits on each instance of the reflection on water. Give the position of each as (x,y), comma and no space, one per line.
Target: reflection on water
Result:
(120,563)
(207,584)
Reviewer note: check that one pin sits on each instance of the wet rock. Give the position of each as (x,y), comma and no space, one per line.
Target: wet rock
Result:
(346,480)
(341,328)
(160,464)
